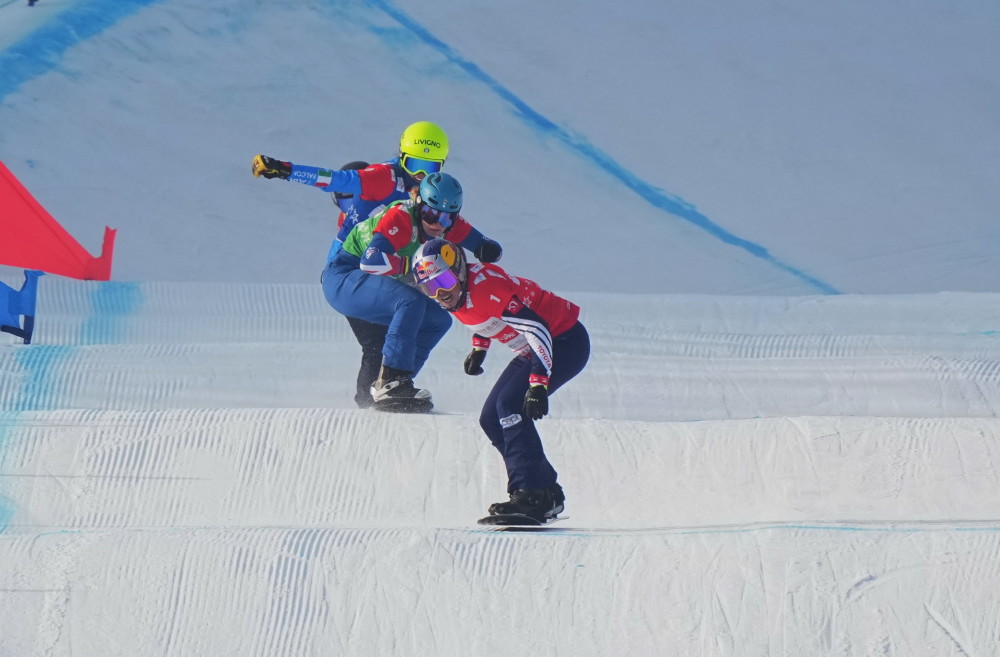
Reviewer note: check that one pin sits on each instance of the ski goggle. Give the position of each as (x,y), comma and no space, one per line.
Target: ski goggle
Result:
(446,281)
(434,216)
(414,165)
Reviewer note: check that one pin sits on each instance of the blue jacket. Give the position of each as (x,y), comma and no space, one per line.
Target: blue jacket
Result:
(373,188)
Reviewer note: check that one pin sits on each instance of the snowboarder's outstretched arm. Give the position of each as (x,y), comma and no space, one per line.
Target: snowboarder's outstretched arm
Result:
(374,182)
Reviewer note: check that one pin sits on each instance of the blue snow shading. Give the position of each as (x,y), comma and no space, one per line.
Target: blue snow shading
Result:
(42,50)
(37,392)
(39,53)
(655,196)
(38,389)
(111,304)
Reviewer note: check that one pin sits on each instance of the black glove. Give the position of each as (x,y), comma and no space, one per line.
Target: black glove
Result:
(488,251)
(536,402)
(474,361)
(270,167)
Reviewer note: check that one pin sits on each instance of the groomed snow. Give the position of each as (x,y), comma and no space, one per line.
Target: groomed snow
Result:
(754,466)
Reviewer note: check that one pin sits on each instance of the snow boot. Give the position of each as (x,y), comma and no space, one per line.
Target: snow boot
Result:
(394,392)
(541,503)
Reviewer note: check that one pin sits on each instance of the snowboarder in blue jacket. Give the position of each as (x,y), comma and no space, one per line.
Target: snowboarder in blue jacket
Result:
(362,190)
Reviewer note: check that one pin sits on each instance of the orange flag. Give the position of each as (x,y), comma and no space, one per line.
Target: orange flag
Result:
(31,238)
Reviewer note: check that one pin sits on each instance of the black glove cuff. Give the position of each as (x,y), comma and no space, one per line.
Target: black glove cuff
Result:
(488,251)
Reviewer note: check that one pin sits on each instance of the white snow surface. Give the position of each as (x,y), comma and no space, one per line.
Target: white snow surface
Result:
(754,464)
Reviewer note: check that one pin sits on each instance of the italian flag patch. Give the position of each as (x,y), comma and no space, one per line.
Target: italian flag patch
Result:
(323,178)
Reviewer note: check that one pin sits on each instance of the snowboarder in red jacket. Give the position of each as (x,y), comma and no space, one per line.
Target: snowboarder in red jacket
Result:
(551,347)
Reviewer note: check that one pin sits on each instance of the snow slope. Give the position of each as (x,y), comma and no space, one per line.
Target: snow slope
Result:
(753,466)
(749,148)
(810,475)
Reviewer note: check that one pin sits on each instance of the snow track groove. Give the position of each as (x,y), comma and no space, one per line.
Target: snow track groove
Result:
(310,590)
(320,467)
(273,346)
(178,462)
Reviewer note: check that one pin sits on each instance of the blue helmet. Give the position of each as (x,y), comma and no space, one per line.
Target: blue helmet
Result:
(442,192)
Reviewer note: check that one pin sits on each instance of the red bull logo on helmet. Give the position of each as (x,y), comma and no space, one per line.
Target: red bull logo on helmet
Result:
(430,266)
(426,269)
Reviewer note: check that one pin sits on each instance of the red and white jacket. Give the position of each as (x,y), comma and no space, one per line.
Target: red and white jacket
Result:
(517,312)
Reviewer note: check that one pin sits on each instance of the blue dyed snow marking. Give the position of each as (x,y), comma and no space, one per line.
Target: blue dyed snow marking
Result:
(42,50)
(38,392)
(37,54)
(655,196)
(110,302)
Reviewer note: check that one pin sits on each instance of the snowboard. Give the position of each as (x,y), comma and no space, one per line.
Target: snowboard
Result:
(515,521)
(403,405)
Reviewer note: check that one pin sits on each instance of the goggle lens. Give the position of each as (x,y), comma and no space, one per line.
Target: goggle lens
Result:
(435,216)
(415,165)
(446,281)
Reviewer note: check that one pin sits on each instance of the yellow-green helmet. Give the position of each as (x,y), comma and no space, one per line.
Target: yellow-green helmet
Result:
(424,140)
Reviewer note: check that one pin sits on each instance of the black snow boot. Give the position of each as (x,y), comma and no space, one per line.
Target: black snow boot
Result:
(541,503)
(394,392)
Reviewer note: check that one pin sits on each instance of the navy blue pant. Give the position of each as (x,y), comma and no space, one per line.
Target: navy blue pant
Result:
(415,323)
(511,432)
